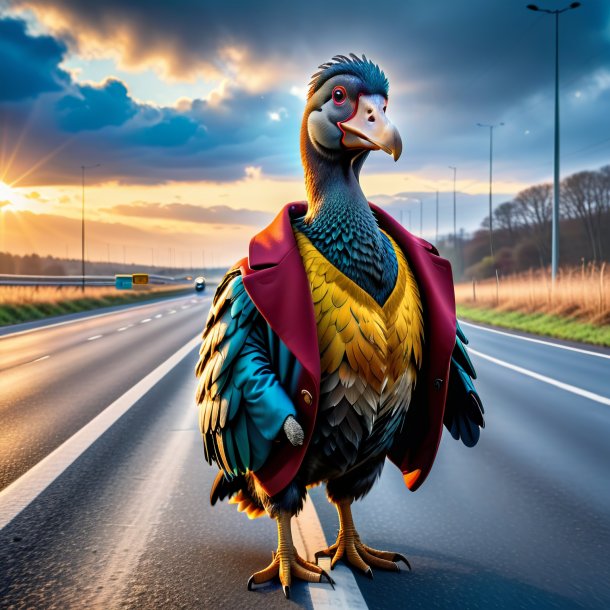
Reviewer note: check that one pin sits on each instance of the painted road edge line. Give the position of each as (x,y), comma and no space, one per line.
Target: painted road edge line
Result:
(543,342)
(308,537)
(21,492)
(604,400)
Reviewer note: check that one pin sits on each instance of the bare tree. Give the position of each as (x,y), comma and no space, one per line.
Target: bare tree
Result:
(505,216)
(585,196)
(534,208)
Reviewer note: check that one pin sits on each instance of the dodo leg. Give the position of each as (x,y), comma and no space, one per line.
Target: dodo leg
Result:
(360,555)
(286,561)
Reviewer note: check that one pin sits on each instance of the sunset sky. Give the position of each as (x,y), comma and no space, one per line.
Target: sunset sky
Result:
(192,110)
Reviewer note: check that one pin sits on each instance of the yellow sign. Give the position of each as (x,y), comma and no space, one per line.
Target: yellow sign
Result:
(140,278)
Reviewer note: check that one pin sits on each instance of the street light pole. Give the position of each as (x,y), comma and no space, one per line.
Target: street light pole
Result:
(491,148)
(454,210)
(83,168)
(556,183)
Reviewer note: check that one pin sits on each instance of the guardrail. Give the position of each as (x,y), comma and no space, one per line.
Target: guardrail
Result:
(77,280)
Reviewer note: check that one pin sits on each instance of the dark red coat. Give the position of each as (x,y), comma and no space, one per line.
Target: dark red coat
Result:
(275,280)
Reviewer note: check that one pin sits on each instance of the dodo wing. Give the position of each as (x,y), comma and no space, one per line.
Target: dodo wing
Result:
(242,405)
(464,409)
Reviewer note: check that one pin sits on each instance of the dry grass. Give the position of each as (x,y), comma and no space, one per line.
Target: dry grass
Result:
(580,293)
(32,295)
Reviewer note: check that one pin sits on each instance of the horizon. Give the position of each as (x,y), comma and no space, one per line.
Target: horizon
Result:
(197,137)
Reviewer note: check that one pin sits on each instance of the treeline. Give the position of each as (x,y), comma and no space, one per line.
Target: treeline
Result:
(33,264)
(522,229)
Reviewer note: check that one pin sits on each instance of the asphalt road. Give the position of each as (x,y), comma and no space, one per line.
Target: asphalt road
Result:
(520,521)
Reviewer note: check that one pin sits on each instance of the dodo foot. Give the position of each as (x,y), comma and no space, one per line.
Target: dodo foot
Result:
(360,555)
(285,564)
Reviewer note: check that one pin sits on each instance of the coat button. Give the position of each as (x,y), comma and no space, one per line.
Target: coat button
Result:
(306,397)
(438,383)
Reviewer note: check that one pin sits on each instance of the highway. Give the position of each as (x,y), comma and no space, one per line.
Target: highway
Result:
(106,490)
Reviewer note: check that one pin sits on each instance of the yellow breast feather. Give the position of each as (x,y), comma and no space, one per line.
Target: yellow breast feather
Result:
(369,353)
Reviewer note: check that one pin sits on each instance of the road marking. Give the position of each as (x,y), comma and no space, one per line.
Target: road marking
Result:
(145,320)
(24,490)
(604,400)
(159,315)
(567,347)
(39,359)
(95,337)
(120,330)
(185,307)
(125,309)
(172,311)
(308,537)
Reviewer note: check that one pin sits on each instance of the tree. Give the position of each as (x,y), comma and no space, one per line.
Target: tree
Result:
(506,218)
(534,208)
(585,195)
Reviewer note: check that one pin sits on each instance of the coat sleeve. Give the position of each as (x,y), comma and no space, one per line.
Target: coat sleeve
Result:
(242,404)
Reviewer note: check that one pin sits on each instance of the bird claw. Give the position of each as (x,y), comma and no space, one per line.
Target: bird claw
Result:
(286,589)
(369,573)
(400,557)
(250,582)
(327,576)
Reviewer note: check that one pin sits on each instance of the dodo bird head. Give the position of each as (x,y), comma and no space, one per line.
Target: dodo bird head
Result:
(345,116)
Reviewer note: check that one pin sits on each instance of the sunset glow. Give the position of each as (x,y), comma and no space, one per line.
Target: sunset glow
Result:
(188,121)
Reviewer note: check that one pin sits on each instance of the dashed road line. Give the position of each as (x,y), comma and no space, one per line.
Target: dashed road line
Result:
(159,315)
(24,490)
(145,320)
(39,359)
(172,312)
(120,330)
(95,337)
(604,400)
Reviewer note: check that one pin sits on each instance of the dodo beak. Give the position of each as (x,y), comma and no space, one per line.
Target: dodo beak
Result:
(369,127)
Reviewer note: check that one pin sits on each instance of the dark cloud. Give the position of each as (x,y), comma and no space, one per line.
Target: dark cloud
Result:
(219,214)
(29,64)
(450,65)
(94,107)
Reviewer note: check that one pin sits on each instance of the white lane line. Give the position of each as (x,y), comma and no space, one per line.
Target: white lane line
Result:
(159,315)
(308,538)
(120,330)
(21,492)
(86,318)
(532,340)
(145,320)
(172,311)
(185,307)
(95,337)
(604,400)
(39,359)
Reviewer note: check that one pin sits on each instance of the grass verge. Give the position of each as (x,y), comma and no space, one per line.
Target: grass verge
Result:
(26,312)
(539,324)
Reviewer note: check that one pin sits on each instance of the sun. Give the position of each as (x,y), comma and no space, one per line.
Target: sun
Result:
(9,197)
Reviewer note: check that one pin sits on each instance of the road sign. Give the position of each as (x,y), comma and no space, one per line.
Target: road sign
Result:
(140,278)
(123,282)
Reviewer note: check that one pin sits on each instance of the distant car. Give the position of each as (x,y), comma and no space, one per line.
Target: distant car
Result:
(200,283)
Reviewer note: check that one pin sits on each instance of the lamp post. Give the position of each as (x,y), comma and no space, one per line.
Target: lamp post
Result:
(83,168)
(555,221)
(491,148)
(436,238)
(454,210)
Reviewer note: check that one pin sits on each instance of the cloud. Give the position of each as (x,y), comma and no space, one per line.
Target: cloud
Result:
(450,66)
(218,214)
(94,107)
(30,64)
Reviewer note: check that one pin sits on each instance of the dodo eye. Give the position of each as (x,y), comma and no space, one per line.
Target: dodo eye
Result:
(339,95)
